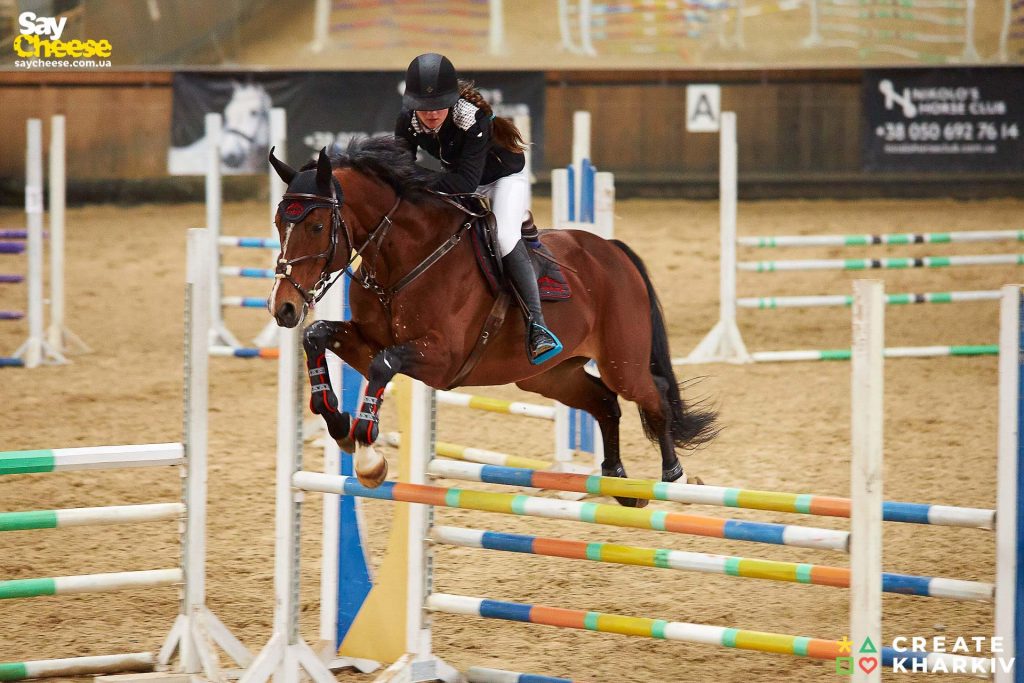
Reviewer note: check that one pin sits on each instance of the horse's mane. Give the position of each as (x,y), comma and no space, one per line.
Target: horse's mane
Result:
(388,159)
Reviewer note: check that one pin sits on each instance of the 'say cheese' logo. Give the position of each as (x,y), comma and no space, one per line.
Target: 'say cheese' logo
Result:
(40,38)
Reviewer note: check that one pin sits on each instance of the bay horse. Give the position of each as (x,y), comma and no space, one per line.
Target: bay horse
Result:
(419,302)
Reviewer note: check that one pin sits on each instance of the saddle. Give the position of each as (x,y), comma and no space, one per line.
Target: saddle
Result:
(550,279)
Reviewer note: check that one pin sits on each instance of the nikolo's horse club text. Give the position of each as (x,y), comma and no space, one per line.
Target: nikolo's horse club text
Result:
(422,308)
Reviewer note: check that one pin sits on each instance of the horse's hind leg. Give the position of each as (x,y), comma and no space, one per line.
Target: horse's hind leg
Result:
(651,393)
(656,423)
(569,383)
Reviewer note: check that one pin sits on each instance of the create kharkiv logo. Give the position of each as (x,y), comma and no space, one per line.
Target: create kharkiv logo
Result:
(39,43)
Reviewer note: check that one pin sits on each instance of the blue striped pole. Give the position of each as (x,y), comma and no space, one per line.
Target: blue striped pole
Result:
(692,494)
(479,674)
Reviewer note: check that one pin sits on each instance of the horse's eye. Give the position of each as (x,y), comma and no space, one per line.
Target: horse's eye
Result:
(318,227)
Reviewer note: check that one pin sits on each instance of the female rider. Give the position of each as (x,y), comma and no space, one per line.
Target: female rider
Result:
(479,153)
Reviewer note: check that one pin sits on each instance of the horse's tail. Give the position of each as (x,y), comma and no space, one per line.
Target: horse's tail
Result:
(690,426)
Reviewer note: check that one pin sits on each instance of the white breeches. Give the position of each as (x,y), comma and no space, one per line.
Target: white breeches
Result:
(510,200)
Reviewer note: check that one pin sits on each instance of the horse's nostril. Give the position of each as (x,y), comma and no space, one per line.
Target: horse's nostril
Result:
(286,314)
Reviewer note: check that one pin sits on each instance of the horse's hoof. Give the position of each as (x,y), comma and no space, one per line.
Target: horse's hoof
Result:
(371,467)
(633,502)
(697,481)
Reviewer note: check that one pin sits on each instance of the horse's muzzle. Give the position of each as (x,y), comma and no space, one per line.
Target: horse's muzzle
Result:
(288,314)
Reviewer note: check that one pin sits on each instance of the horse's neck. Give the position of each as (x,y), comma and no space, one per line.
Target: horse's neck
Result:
(416,231)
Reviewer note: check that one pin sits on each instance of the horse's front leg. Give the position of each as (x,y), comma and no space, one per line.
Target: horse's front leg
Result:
(354,433)
(371,467)
(344,340)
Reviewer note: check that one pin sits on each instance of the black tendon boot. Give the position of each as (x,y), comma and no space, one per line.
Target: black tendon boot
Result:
(541,343)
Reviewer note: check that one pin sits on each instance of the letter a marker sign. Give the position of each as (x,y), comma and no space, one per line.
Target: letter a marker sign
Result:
(704,115)
(703,108)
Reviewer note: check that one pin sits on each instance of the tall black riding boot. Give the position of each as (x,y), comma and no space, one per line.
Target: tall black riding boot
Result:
(541,343)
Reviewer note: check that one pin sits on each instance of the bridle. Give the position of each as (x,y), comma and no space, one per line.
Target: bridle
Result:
(308,202)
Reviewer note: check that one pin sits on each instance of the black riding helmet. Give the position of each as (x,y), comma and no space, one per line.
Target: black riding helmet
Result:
(430,83)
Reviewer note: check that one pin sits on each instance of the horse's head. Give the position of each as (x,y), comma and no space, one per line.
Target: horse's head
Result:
(311,230)
(246,124)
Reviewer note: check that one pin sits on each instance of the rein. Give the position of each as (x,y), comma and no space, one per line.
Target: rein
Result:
(366,275)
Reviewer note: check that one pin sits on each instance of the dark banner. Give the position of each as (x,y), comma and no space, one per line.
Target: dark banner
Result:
(323,108)
(969,119)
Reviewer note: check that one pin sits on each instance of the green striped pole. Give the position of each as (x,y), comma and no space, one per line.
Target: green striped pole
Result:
(895,352)
(972,350)
(771,302)
(89,583)
(113,514)
(77,666)
(90,458)
(893,238)
(882,263)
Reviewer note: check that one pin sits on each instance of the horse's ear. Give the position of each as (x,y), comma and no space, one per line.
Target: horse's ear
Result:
(285,171)
(323,173)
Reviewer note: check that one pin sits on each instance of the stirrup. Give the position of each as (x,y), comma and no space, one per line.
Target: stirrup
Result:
(547,355)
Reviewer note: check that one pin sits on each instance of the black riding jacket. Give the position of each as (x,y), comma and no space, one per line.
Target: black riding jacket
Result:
(464,147)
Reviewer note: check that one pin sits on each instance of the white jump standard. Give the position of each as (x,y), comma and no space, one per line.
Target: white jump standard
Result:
(196,629)
(724,343)
(46,343)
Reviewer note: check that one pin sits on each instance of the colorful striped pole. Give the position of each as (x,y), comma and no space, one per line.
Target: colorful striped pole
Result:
(769,302)
(818,575)
(882,263)
(90,583)
(231,352)
(801,503)
(77,666)
(479,674)
(893,352)
(11,279)
(113,514)
(91,458)
(757,641)
(236,271)
(591,513)
(15,234)
(477,455)
(244,301)
(496,405)
(249,242)
(894,238)
(12,247)
(11,315)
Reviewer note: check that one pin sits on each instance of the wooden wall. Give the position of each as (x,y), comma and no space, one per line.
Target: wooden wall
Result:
(788,124)
(118,123)
(799,133)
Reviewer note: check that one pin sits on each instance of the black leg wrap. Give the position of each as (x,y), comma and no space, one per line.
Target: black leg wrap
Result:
(322,399)
(673,473)
(366,425)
